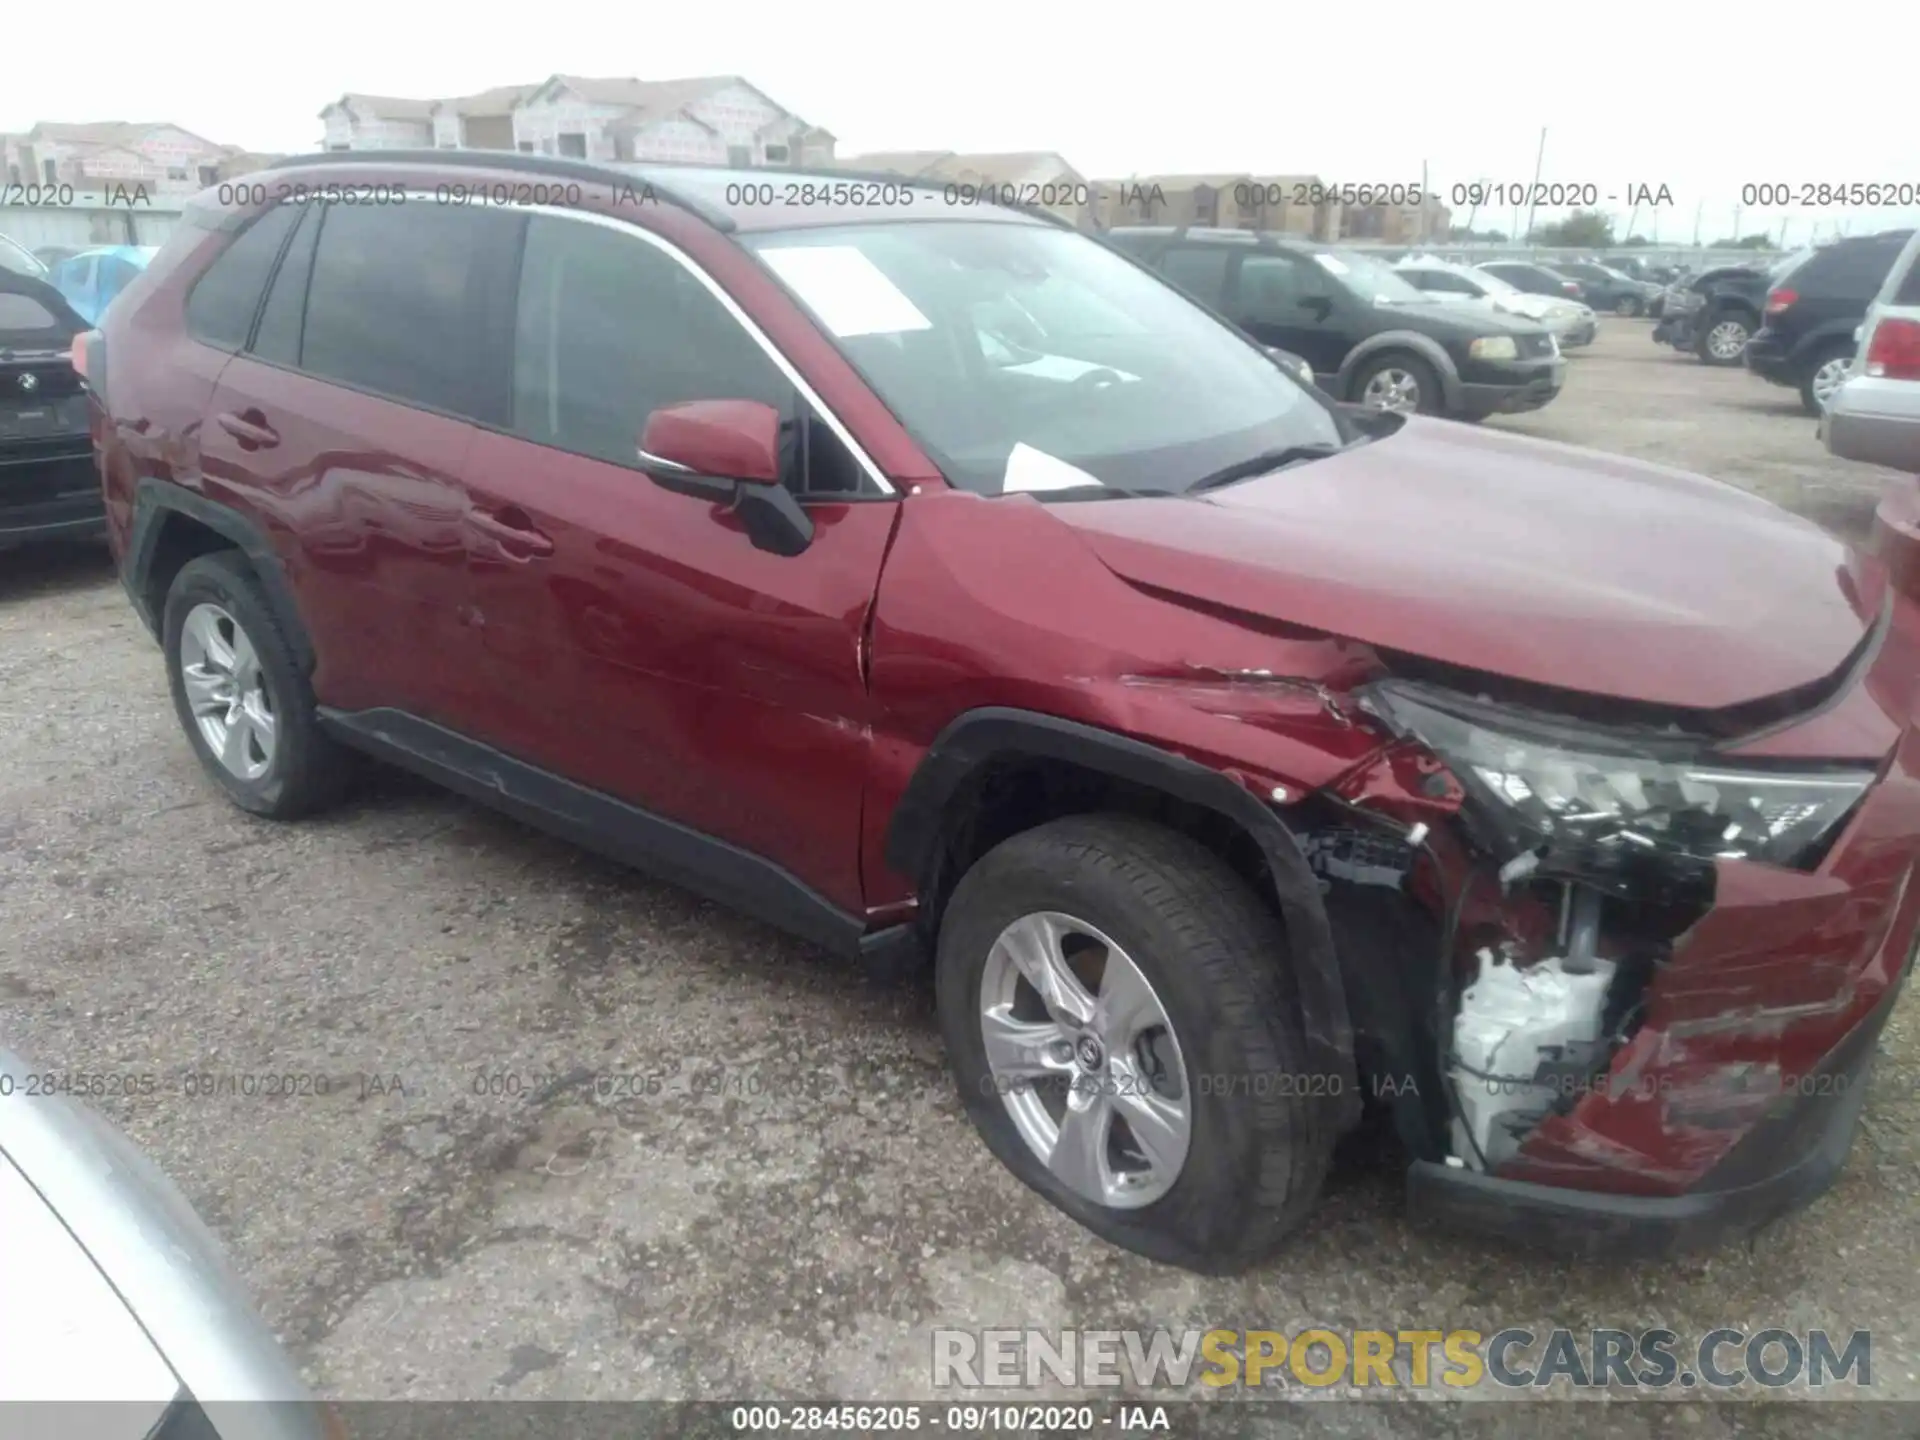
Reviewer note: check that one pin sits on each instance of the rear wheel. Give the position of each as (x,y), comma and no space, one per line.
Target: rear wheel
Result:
(1829,371)
(1126,1039)
(1723,337)
(244,702)
(1398,382)
(1630,305)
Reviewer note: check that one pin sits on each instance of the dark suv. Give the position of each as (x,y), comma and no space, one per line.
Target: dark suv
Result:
(931,580)
(48,490)
(1813,310)
(1714,314)
(1371,337)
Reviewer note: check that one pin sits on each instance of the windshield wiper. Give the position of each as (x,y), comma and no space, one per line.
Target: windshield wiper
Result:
(1261,464)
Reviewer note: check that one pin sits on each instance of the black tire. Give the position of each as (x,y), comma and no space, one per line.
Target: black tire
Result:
(1707,327)
(1840,351)
(1216,958)
(308,770)
(1432,399)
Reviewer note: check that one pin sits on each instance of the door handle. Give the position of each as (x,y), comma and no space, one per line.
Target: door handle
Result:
(514,531)
(250,428)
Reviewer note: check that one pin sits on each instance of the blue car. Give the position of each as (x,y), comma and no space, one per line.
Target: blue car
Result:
(92,278)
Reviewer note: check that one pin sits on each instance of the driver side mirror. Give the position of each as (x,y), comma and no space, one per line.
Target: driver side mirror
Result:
(728,451)
(1318,306)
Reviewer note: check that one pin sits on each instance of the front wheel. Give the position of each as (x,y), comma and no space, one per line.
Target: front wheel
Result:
(1401,383)
(1126,1038)
(1630,306)
(1723,338)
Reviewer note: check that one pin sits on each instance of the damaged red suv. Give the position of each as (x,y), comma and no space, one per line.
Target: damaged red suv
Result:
(932,581)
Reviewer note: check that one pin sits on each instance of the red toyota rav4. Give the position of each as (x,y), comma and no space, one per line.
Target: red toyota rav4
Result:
(929,579)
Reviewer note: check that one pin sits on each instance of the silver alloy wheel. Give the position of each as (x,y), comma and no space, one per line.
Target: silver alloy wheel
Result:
(1726,340)
(226,691)
(1626,305)
(1085,1059)
(1392,389)
(1829,378)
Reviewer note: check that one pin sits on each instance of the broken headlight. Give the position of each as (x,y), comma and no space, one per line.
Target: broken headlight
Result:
(1585,797)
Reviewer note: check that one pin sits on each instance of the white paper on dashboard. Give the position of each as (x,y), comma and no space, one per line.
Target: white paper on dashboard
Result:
(851,295)
(1065,367)
(1030,469)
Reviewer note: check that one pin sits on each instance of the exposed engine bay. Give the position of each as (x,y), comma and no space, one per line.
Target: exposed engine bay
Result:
(1541,870)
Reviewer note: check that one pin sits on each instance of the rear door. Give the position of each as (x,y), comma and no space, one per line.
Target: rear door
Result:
(45,453)
(638,642)
(345,425)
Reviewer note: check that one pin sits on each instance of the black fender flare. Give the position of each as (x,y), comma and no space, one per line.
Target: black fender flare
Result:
(991,733)
(155,502)
(1424,346)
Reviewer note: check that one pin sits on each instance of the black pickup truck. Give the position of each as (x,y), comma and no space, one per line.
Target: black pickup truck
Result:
(1716,312)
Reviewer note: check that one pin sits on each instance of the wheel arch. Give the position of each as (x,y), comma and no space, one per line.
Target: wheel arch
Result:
(934,834)
(171,526)
(1423,347)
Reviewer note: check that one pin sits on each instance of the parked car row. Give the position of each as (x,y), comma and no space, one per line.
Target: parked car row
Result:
(1794,322)
(1571,323)
(1372,338)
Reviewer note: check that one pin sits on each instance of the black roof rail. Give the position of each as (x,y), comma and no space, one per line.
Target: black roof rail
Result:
(561,167)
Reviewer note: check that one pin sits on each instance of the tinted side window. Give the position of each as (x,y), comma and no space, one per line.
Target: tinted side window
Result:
(1272,286)
(1200,270)
(220,309)
(400,299)
(278,337)
(609,329)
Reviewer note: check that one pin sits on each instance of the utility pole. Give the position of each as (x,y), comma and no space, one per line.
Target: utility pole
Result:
(1633,218)
(1538,160)
(1698,210)
(1424,202)
(1736,223)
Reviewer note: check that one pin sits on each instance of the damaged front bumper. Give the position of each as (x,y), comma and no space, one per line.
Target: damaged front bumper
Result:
(1783,1161)
(1735,1095)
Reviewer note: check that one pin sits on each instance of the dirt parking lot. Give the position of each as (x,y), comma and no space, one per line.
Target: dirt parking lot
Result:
(774,1192)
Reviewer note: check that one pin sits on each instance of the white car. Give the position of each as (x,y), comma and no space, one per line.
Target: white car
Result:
(1572,323)
(1875,414)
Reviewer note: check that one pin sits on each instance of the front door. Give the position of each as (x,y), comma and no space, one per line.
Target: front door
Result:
(639,643)
(1289,301)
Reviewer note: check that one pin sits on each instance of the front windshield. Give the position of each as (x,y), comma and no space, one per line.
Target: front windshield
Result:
(20,261)
(1027,358)
(1372,280)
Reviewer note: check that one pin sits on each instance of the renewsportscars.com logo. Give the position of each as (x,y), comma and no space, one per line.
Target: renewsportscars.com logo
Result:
(1447,1360)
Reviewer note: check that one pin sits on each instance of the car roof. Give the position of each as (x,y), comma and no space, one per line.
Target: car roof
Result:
(728,199)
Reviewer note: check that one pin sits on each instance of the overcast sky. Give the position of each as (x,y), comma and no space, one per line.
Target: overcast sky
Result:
(1344,93)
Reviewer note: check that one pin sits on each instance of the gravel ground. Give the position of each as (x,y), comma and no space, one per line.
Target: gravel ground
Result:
(776,1194)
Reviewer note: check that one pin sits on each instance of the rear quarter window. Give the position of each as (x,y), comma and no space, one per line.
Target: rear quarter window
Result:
(25,314)
(221,306)
(1907,292)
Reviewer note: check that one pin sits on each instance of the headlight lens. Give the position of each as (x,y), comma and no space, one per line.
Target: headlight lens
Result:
(1588,798)
(1494,347)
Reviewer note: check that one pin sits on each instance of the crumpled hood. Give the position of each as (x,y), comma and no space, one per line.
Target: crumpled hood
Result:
(1537,561)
